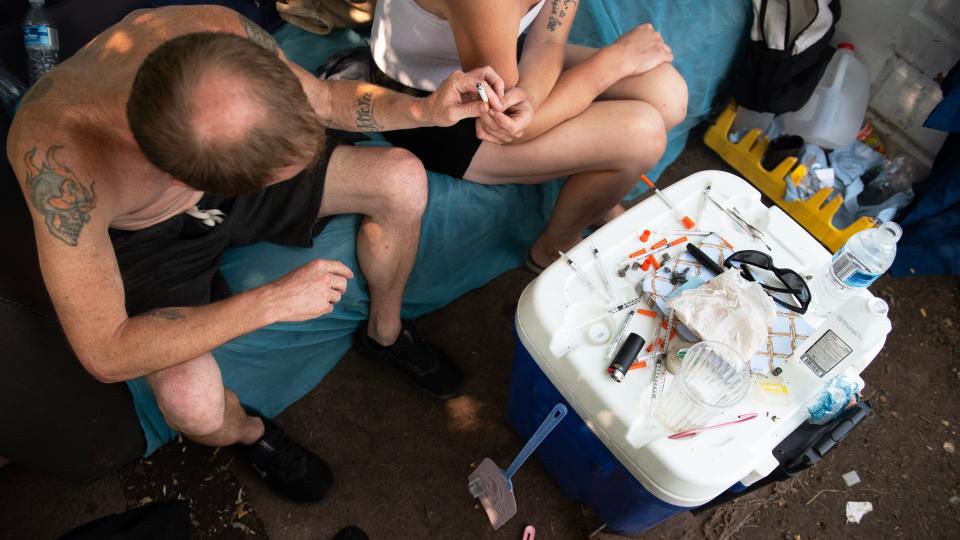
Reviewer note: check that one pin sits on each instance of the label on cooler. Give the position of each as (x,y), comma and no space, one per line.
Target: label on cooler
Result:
(826,353)
(846,267)
(37,36)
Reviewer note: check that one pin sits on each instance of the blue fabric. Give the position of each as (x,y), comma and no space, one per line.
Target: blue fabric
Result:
(471,233)
(931,227)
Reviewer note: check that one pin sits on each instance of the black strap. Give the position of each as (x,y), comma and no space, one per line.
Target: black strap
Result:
(762,20)
(786,29)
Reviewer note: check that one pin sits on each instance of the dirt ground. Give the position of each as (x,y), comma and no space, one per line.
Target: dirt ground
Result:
(401,459)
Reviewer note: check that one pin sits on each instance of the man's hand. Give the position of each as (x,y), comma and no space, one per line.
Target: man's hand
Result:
(505,127)
(457,97)
(643,49)
(309,291)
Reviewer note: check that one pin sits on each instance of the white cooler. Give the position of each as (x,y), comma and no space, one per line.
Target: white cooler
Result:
(608,452)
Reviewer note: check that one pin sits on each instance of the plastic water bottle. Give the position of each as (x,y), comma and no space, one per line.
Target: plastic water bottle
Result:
(41,41)
(834,113)
(864,258)
(11,90)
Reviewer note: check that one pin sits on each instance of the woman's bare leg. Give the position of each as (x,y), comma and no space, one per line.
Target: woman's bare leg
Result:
(603,151)
(663,87)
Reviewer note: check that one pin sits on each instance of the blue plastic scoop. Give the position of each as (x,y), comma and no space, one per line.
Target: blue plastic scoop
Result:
(493,486)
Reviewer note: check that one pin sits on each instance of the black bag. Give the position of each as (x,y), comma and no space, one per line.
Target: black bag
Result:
(788,52)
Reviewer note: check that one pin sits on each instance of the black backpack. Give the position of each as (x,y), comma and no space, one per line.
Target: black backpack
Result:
(788,52)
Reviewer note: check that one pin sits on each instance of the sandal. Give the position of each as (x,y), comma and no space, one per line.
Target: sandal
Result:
(531,264)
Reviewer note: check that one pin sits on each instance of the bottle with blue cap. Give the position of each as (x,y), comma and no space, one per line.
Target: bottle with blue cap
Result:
(864,258)
(41,40)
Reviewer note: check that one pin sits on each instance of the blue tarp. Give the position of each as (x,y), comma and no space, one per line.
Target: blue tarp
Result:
(471,233)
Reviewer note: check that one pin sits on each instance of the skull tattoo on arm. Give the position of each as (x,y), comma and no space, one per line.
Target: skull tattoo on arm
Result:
(58,195)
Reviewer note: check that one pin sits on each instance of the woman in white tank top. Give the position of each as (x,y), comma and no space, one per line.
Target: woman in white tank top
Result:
(599,116)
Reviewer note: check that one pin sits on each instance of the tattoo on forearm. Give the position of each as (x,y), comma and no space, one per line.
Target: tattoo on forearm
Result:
(170,314)
(58,195)
(38,90)
(365,119)
(258,35)
(558,12)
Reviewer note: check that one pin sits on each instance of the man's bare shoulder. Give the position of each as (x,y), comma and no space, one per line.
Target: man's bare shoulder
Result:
(171,21)
(193,14)
(57,167)
(60,194)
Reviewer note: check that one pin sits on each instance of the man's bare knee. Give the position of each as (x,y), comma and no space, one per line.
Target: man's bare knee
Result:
(196,417)
(406,188)
(192,406)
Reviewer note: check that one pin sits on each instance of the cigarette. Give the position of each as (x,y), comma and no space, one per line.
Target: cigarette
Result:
(483,93)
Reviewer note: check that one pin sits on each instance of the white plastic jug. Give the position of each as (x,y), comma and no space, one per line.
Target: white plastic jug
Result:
(834,113)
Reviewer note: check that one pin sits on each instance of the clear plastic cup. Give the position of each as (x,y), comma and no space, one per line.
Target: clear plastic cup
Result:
(712,377)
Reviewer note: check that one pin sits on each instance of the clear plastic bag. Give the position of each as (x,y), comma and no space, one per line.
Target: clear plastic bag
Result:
(728,309)
(838,395)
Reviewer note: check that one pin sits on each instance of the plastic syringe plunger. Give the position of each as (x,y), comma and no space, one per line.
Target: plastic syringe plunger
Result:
(685,220)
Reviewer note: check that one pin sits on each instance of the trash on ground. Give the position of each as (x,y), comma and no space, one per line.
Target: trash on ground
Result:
(856,510)
(851,478)
(949,447)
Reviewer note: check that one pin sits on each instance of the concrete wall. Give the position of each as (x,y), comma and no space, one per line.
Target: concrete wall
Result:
(906,45)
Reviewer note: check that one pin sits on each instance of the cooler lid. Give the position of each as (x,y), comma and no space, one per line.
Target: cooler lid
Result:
(553,319)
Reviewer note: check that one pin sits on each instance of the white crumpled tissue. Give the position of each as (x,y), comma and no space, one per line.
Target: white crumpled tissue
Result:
(728,309)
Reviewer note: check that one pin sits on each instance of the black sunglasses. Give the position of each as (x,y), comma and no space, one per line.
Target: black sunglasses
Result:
(794,285)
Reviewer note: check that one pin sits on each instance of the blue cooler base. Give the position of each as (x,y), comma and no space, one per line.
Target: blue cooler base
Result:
(577,460)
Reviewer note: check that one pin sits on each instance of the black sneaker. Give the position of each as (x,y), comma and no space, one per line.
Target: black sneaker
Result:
(429,368)
(288,468)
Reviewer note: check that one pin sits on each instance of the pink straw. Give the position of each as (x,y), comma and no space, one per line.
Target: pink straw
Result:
(692,432)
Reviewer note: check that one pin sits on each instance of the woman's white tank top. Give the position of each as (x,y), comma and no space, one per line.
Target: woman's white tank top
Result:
(415,47)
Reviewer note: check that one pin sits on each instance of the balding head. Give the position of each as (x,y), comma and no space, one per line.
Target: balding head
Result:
(221,113)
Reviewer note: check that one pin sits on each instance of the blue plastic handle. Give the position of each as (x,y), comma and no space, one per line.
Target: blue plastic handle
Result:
(550,422)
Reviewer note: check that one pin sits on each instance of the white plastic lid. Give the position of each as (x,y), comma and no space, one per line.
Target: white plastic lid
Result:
(555,310)
(877,306)
(889,233)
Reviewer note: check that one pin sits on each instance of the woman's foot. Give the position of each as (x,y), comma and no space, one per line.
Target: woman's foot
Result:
(537,260)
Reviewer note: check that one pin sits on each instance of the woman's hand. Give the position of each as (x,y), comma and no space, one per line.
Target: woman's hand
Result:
(505,127)
(642,49)
(457,98)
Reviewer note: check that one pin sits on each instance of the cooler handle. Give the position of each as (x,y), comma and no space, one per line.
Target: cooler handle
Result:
(551,421)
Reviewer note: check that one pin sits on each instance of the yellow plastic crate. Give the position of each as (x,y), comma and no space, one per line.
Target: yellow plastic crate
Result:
(814,214)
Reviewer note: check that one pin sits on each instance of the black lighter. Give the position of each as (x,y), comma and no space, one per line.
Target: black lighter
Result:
(625,356)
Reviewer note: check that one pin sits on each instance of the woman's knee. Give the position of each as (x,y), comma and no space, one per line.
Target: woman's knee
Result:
(671,95)
(642,137)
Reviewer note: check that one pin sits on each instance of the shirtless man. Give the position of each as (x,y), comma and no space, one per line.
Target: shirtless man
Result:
(140,170)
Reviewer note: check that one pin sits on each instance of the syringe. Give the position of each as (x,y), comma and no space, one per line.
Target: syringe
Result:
(603,275)
(576,268)
(615,345)
(685,220)
(625,305)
